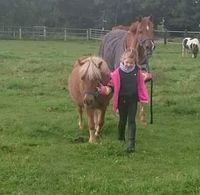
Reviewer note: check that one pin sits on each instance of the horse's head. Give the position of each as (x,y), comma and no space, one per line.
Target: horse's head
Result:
(142,31)
(93,71)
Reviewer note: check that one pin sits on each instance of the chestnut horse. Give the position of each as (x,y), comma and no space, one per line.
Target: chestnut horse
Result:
(87,74)
(139,36)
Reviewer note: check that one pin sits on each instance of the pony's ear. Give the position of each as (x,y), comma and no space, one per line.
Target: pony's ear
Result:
(80,62)
(139,19)
(99,64)
(151,18)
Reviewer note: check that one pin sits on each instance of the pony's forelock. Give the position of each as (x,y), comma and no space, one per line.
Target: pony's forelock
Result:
(91,70)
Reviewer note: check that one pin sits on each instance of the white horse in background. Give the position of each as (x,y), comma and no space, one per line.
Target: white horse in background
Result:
(190,45)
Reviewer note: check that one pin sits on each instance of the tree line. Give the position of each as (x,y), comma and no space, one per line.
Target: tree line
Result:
(171,14)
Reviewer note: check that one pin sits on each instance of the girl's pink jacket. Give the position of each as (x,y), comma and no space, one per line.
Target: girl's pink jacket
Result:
(143,96)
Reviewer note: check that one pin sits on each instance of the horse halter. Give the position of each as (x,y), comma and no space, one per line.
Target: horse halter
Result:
(147,51)
(94,94)
(142,43)
(92,98)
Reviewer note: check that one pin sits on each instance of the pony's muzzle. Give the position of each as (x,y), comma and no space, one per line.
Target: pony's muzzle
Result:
(89,100)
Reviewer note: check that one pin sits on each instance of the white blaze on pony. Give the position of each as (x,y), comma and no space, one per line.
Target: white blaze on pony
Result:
(190,45)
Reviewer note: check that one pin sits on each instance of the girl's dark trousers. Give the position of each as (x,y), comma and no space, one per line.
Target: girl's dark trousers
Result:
(127,107)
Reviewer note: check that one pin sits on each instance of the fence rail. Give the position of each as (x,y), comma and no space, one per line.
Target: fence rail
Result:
(47,33)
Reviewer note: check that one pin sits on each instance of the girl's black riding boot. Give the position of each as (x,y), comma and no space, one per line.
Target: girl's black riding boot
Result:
(131,146)
(131,138)
(121,134)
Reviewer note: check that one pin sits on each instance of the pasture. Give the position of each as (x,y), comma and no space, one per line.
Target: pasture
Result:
(38,126)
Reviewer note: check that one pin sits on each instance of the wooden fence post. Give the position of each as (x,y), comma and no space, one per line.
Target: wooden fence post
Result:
(20,33)
(165,36)
(185,33)
(65,34)
(45,32)
(87,31)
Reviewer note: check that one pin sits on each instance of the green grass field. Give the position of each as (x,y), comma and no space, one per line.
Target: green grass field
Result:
(38,125)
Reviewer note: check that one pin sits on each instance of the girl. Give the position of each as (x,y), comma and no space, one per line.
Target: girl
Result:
(128,85)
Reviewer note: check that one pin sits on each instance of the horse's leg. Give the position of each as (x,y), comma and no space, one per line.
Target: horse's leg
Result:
(142,114)
(80,117)
(91,125)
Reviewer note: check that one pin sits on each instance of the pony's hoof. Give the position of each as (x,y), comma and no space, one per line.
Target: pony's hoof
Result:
(92,140)
(79,140)
(97,134)
(80,126)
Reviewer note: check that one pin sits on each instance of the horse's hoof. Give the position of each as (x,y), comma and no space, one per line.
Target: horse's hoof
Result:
(144,123)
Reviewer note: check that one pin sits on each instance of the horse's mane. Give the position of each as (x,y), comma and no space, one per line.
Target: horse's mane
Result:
(133,27)
(93,68)
(122,27)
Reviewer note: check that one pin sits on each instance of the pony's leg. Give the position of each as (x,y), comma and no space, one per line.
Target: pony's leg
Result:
(192,55)
(91,125)
(101,116)
(183,51)
(80,117)
(142,114)
(96,119)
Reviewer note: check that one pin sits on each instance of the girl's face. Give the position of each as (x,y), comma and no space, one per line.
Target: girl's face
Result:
(128,63)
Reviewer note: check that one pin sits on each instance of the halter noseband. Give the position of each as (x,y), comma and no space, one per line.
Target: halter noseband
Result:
(94,94)
(146,56)
(142,42)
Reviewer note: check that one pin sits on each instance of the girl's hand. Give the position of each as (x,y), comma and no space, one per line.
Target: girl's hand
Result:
(147,76)
(104,90)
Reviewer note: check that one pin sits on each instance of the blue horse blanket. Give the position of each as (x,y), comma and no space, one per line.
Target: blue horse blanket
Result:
(112,47)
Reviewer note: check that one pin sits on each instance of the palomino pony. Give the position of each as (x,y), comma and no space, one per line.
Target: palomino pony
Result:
(138,36)
(88,73)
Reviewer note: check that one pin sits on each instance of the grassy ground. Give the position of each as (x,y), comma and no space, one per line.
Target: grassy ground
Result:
(38,124)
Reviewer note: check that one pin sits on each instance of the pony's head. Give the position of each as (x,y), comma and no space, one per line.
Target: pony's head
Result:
(142,31)
(93,71)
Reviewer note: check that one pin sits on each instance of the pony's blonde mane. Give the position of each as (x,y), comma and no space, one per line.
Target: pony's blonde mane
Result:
(91,69)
